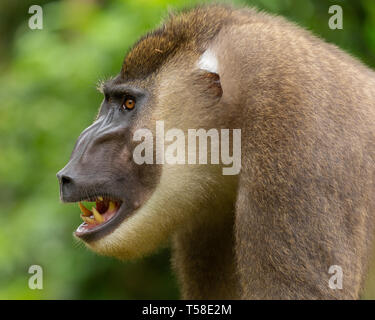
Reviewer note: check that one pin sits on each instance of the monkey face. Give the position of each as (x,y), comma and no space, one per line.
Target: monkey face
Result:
(101,167)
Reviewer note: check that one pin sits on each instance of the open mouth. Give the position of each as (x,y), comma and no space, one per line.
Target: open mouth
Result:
(102,218)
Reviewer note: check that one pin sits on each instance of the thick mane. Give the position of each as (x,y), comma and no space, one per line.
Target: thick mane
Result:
(189,29)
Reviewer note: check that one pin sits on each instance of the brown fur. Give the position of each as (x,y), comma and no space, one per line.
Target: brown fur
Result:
(305,197)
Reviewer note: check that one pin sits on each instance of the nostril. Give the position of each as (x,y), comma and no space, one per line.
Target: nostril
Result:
(65,180)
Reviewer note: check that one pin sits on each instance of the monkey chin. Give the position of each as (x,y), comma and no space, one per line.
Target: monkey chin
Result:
(164,214)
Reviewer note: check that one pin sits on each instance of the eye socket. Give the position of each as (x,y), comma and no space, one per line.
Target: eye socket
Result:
(129,103)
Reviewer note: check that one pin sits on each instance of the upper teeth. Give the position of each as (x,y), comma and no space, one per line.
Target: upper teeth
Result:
(93,216)
(86,212)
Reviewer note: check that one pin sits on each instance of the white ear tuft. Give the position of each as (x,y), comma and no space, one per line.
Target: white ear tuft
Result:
(208,61)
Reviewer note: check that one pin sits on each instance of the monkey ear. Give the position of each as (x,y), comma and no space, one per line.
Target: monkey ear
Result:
(207,77)
(207,83)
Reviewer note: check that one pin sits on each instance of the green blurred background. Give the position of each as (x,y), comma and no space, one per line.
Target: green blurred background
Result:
(48,96)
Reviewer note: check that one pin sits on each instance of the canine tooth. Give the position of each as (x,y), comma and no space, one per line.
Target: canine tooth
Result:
(112,206)
(98,217)
(88,220)
(86,212)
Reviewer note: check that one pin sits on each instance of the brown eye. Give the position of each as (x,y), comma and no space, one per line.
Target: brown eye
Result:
(129,103)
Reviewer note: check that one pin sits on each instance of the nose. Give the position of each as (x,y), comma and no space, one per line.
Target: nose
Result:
(63,178)
(67,184)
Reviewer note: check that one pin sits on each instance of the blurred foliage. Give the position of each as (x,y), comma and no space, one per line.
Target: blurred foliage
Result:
(48,96)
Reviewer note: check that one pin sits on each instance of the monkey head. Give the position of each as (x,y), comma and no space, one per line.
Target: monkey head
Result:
(170,75)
